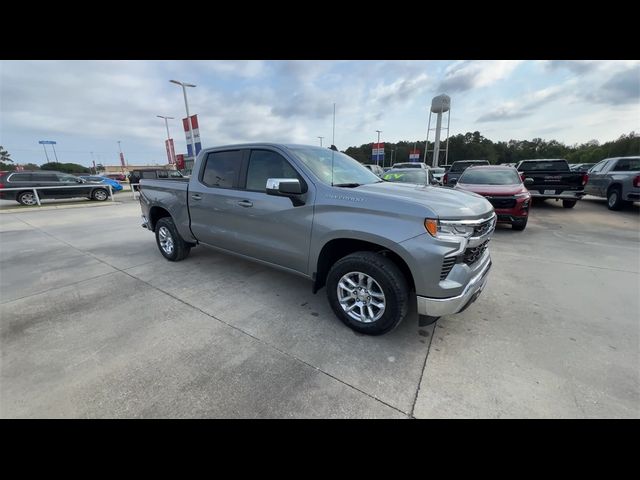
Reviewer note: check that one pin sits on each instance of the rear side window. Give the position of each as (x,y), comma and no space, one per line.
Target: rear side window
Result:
(148,174)
(264,164)
(163,174)
(20,177)
(47,177)
(627,165)
(222,169)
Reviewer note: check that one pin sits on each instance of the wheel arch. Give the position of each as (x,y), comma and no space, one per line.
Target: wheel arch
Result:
(337,248)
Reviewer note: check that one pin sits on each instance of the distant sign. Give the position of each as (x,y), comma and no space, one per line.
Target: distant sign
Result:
(47,142)
(414,156)
(377,152)
(180,161)
(171,153)
(196,135)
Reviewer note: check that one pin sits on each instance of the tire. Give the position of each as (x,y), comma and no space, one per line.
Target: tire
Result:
(520,225)
(27,198)
(614,199)
(100,194)
(387,279)
(569,203)
(175,248)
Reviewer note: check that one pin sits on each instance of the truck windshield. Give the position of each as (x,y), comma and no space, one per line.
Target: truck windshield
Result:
(346,170)
(487,176)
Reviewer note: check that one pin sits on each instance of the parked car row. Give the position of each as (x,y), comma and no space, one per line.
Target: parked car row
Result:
(25,181)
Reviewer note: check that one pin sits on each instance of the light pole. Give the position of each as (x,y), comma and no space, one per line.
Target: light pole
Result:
(166,124)
(186,106)
(320,140)
(378,154)
(53,145)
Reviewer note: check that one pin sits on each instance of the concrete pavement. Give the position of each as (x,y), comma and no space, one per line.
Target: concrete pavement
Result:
(95,323)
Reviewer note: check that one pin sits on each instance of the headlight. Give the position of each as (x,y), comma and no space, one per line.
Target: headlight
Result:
(523,195)
(444,229)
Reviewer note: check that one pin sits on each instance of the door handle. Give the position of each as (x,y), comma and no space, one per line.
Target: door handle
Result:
(196,196)
(245,203)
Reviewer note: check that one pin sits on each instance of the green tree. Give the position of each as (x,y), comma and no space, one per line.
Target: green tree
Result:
(65,167)
(4,155)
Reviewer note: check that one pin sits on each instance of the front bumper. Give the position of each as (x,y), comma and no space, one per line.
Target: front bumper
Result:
(438,307)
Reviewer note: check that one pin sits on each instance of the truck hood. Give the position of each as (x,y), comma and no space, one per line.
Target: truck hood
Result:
(445,202)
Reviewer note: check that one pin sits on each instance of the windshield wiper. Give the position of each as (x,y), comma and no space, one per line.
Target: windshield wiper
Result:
(347,185)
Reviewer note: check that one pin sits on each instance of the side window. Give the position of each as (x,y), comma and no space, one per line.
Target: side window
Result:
(61,178)
(46,178)
(148,174)
(20,177)
(163,174)
(222,169)
(627,165)
(264,164)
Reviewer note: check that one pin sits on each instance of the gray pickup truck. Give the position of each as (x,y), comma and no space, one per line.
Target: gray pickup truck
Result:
(320,214)
(616,179)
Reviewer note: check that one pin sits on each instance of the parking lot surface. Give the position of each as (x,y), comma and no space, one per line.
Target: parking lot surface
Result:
(95,323)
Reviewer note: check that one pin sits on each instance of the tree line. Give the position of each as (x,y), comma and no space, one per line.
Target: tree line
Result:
(474,146)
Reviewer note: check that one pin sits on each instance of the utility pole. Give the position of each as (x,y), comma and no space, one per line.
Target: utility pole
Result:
(320,140)
(378,155)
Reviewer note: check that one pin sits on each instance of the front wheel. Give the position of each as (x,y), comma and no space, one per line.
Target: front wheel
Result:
(170,243)
(368,292)
(100,194)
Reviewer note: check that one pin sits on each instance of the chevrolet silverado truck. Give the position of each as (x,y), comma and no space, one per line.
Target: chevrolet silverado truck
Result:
(616,179)
(320,214)
(552,178)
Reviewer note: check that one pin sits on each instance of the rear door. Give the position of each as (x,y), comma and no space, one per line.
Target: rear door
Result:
(47,180)
(213,198)
(65,180)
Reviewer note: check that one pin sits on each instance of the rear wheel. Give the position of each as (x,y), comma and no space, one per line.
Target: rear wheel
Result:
(170,243)
(519,224)
(27,198)
(569,203)
(100,194)
(614,199)
(368,292)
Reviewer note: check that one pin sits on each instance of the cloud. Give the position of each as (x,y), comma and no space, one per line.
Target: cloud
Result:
(525,106)
(575,66)
(620,89)
(466,75)
(401,90)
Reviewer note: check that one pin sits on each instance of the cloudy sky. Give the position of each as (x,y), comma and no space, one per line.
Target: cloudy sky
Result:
(87,106)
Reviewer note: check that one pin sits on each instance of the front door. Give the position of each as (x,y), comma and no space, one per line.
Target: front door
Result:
(231,209)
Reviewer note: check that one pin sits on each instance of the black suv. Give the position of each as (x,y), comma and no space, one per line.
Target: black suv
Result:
(47,178)
(157,174)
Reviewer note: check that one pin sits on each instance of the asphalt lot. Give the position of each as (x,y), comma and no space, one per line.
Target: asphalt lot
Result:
(95,323)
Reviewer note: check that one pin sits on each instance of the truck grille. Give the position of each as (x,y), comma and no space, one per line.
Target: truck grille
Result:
(484,227)
(502,202)
(471,255)
(447,265)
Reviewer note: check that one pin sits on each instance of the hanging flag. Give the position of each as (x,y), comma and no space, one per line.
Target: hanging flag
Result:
(196,134)
(171,153)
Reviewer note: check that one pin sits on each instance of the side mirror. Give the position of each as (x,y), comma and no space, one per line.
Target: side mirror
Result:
(434,181)
(283,187)
(528,181)
(79,180)
(453,181)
